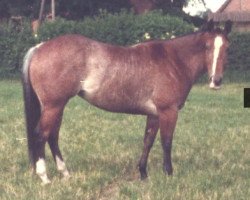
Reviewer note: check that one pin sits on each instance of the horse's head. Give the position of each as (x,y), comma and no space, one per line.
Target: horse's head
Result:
(216,44)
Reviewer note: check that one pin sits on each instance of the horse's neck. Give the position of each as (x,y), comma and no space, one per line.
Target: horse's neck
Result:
(192,52)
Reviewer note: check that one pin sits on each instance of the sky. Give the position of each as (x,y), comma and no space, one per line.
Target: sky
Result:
(213,5)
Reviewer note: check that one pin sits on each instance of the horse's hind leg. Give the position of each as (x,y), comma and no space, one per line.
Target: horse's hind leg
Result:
(150,133)
(49,122)
(53,143)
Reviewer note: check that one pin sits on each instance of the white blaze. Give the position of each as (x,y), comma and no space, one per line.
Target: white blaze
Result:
(218,42)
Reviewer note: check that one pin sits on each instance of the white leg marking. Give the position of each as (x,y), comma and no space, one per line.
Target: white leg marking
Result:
(218,42)
(41,171)
(62,167)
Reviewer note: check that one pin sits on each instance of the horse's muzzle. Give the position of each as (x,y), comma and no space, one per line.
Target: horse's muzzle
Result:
(215,82)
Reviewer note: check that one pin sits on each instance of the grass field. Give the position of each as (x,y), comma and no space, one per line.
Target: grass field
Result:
(211,150)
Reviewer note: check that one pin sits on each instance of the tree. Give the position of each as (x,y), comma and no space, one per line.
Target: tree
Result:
(41,12)
(4,9)
(141,6)
(78,9)
(53,10)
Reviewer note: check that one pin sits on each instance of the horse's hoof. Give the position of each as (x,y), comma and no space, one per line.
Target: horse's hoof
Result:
(168,169)
(144,176)
(66,177)
(45,182)
(169,172)
(44,178)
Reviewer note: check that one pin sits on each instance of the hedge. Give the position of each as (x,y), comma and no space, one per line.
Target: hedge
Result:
(14,42)
(239,51)
(123,28)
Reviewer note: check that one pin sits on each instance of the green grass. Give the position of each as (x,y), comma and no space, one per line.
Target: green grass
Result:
(210,150)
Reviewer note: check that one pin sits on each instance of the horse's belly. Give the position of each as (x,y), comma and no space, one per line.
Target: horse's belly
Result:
(121,103)
(114,95)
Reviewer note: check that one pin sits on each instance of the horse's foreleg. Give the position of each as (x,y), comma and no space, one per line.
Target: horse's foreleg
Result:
(152,127)
(168,120)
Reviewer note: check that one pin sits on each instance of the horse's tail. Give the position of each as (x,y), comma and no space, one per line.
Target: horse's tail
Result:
(31,104)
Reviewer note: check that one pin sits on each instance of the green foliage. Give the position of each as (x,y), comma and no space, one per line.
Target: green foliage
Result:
(14,42)
(122,28)
(238,54)
(160,26)
(50,30)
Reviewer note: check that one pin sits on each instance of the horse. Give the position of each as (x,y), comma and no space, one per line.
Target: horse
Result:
(151,78)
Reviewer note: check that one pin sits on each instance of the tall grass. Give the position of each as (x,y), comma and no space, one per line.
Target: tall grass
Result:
(210,150)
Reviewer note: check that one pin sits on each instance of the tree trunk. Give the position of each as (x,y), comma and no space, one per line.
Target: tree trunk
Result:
(53,10)
(143,6)
(41,12)
(36,23)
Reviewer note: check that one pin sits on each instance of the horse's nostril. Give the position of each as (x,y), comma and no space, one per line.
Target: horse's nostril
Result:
(217,81)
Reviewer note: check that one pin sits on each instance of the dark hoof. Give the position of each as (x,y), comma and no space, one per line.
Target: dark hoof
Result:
(168,170)
(144,176)
(143,173)
(170,173)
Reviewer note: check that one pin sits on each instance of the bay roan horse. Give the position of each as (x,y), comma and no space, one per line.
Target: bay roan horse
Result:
(151,78)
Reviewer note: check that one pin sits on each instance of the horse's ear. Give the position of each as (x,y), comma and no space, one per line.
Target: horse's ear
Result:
(209,26)
(228,27)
